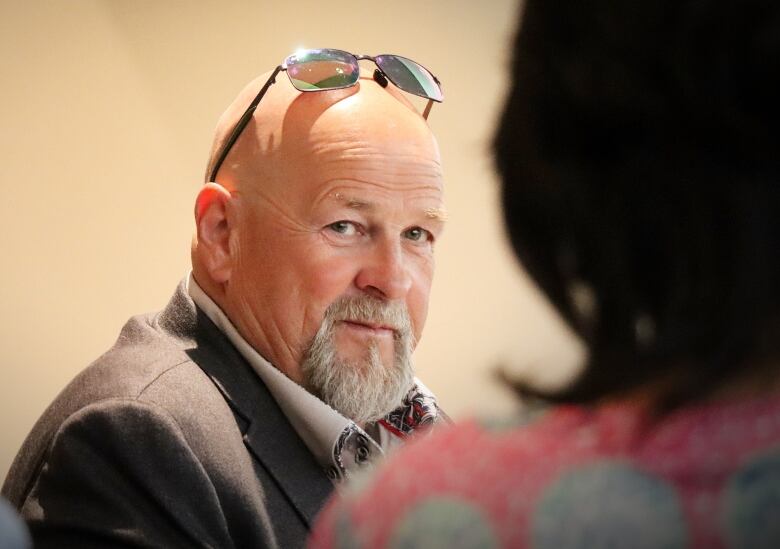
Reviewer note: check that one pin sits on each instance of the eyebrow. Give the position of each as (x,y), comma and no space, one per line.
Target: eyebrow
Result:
(436,214)
(355,204)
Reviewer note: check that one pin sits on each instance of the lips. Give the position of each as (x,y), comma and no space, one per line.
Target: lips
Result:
(369,326)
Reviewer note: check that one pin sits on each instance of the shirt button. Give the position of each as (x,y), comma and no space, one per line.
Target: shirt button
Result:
(333,473)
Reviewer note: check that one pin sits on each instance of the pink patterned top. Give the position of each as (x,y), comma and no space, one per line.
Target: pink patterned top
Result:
(704,476)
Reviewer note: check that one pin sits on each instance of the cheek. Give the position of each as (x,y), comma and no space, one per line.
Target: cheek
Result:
(328,276)
(417,300)
(323,278)
(253,272)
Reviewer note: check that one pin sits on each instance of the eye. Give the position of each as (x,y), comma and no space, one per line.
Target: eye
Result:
(346,228)
(418,234)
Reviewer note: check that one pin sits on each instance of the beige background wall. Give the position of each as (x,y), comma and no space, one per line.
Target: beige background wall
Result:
(106,114)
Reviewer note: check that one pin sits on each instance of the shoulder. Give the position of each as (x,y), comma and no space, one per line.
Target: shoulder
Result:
(145,364)
(144,360)
(511,484)
(466,479)
(482,443)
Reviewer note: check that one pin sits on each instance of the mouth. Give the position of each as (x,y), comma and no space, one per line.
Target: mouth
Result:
(369,328)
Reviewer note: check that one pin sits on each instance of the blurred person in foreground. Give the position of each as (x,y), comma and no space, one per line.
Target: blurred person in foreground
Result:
(13,532)
(638,153)
(282,364)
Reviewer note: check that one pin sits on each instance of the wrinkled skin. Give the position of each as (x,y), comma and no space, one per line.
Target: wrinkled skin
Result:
(325,194)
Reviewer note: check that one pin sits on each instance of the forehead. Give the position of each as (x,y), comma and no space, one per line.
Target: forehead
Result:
(386,147)
(359,174)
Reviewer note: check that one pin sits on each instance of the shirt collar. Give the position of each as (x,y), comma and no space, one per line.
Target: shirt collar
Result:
(337,442)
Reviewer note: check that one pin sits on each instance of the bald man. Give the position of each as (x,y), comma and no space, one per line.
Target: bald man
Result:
(282,363)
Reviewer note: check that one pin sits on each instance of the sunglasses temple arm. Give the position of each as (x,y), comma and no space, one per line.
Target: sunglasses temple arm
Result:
(427,110)
(242,123)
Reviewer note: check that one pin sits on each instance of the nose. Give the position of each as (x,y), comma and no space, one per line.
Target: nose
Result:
(385,273)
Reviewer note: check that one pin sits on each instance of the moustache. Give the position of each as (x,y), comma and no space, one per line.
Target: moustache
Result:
(372,311)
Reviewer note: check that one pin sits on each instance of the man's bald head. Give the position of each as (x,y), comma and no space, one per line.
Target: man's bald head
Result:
(318,233)
(289,123)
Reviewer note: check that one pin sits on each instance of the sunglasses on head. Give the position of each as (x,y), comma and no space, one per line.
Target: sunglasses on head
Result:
(328,69)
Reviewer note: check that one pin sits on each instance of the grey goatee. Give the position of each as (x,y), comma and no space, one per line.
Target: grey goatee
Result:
(362,390)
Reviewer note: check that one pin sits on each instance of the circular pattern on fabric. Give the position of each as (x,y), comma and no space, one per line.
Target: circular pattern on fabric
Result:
(752,503)
(343,533)
(608,504)
(443,523)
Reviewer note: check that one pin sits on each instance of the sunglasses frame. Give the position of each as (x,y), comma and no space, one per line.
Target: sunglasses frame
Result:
(379,75)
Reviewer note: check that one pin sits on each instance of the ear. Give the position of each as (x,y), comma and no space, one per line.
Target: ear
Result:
(214,228)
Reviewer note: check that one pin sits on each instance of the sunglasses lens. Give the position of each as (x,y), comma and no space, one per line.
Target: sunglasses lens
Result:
(313,70)
(410,76)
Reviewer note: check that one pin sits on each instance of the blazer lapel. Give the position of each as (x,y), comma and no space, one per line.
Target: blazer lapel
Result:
(273,441)
(267,432)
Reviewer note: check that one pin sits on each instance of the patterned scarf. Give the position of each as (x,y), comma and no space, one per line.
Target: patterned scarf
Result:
(418,409)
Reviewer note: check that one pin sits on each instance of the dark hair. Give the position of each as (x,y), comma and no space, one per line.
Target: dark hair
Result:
(639,152)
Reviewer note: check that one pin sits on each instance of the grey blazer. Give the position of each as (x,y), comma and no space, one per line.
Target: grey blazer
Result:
(169,439)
